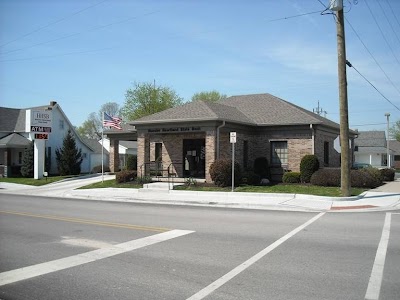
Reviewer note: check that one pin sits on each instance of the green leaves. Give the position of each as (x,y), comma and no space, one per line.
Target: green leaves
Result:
(146,99)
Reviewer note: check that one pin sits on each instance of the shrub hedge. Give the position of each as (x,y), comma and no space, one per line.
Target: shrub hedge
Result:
(308,165)
(362,178)
(221,172)
(97,169)
(251,178)
(125,176)
(387,174)
(291,177)
(261,167)
(131,162)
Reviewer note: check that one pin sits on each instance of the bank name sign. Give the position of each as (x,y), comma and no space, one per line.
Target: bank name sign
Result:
(41,120)
(175,129)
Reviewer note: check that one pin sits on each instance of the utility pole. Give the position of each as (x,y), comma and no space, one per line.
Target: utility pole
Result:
(387,115)
(344,111)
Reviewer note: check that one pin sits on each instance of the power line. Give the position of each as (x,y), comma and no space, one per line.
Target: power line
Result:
(351,66)
(53,23)
(391,8)
(78,33)
(59,55)
(380,29)
(387,19)
(369,52)
(95,50)
(373,57)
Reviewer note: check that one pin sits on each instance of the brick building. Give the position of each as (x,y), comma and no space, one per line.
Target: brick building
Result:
(190,137)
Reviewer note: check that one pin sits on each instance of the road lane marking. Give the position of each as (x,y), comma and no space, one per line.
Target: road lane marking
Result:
(87,257)
(84,221)
(375,281)
(242,267)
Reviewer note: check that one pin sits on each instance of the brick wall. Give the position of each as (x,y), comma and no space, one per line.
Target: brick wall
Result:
(114,155)
(334,157)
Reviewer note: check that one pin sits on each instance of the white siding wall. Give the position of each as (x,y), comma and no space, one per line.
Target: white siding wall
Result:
(60,126)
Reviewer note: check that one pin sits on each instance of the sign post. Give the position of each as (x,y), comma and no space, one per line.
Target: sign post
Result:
(40,121)
(233,142)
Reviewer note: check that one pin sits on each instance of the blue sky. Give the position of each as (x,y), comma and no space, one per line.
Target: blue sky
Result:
(84,53)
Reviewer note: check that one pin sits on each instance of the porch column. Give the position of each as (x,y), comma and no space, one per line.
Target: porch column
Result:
(143,153)
(211,153)
(7,162)
(114,155)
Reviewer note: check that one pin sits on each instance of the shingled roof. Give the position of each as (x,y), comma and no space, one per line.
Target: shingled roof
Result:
(256,110)
(371,139)
(12,119)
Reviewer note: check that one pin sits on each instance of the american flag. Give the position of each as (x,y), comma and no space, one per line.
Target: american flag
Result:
(110,121)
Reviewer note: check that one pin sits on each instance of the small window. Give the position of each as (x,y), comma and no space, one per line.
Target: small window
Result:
(279,153)
(61,124)
(19,158)
(158,152)
(326,153)
(84,155)
(356,148)
(245,154)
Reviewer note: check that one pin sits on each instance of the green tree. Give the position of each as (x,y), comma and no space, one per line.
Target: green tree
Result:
(212,96)
(93,126)
(146,99)
(69,158)
(395,131)
(28,162)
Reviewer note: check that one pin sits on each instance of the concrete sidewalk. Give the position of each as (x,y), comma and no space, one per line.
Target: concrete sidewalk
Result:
(386,197)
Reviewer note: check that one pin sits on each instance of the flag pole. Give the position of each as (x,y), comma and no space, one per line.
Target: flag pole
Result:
(102,149)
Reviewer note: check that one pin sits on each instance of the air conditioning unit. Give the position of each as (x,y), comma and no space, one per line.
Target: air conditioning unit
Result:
(335,5)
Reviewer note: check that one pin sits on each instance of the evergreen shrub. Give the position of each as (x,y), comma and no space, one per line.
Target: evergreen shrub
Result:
(308,165)
(261,167)
(362,178)
(251,178)
(69,157)
(28,162)
(221,173)
(291,177)
(387,174)
(131,162)
(125,176)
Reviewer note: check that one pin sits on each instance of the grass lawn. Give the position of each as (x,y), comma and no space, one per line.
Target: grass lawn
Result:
(35,182)
(278,188)
(112,183)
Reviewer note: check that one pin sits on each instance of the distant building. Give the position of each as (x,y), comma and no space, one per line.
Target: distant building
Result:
(15,136)
(125,148)
(395,147)
(371,148)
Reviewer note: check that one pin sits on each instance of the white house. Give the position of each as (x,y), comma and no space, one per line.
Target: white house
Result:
(16,134)
(371,148)
(125,148)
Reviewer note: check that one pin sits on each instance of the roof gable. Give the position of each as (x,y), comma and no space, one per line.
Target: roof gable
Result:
(197,110)
(371,139)
(12,119)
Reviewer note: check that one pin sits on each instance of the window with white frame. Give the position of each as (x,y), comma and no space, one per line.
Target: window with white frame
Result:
(279,153)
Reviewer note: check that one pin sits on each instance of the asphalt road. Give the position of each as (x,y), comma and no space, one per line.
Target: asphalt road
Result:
(71,249)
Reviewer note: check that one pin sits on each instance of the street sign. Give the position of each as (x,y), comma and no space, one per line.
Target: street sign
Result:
(233,137)
(41,136)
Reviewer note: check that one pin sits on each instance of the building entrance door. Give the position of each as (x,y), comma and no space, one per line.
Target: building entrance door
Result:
(194,158)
